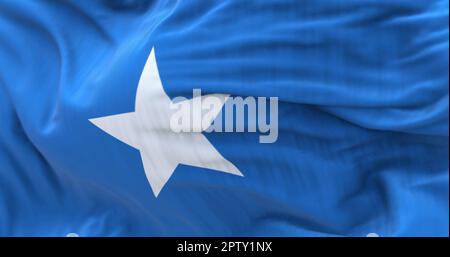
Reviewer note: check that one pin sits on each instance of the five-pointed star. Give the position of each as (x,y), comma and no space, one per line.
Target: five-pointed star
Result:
(148,130)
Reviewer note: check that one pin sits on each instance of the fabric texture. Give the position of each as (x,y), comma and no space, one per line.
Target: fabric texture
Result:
(363,117)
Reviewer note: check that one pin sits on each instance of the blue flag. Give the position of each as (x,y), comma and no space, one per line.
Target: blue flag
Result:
(224,118)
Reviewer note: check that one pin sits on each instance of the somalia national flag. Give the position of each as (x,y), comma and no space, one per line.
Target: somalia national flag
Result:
(362,136)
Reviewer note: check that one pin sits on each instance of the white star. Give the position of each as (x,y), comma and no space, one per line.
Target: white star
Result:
(148,130)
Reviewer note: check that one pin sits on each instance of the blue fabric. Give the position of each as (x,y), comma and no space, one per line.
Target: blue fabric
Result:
(363,117)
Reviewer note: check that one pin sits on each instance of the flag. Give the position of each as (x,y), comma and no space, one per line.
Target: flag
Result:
(361,90)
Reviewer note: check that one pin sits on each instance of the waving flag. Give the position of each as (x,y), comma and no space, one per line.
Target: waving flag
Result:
(348,101)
